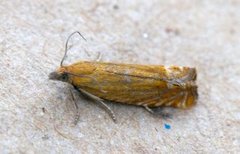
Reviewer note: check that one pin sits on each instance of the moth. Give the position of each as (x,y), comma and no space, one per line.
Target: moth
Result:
(149,86)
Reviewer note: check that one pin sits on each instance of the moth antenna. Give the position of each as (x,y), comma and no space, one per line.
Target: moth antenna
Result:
(66,45)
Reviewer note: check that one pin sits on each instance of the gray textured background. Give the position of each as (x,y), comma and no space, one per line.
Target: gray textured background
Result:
(203,34)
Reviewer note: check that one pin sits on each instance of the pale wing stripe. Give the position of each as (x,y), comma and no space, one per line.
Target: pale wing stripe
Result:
(154,98)
(171,100)
(183,103)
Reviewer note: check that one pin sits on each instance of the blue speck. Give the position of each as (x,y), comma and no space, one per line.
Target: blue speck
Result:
(167,126)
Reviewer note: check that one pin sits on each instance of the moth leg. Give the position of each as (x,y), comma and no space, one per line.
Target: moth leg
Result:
(101,102)
(148,109)
(109,111)
(99,57)
(159,111)
(77,116)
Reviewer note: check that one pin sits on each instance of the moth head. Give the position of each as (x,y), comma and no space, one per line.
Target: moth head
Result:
(60,75)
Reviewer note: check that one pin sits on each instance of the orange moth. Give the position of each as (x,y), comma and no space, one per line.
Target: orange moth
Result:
(149,86)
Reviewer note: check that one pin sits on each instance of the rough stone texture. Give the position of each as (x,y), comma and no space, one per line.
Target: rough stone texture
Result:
(204,34)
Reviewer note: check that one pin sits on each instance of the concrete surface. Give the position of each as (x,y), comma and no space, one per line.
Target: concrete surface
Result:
(37,114)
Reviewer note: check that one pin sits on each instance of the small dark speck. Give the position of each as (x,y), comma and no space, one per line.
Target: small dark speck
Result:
(167,126)
(45,137)
(174,31)
(43,110)
(115,7)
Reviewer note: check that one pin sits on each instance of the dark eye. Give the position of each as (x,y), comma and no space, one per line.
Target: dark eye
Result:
(64,77)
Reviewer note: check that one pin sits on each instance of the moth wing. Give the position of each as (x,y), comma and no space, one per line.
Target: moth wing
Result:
(136,84)
(173,98)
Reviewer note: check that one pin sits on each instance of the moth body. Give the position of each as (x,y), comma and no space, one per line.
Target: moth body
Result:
(143,85)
